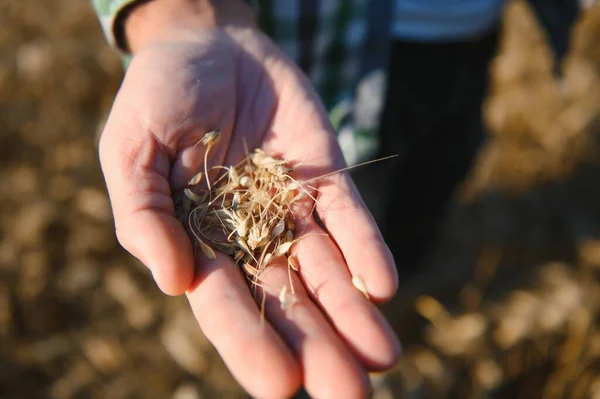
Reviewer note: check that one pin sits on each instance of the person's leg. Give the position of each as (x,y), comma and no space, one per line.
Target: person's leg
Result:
(432,120)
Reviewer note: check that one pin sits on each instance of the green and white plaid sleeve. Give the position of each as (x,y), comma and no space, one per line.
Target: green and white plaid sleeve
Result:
(108,12)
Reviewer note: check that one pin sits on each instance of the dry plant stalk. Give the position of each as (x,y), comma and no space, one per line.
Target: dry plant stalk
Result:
(245,213)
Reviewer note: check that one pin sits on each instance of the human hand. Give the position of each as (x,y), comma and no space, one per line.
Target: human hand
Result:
(185,80)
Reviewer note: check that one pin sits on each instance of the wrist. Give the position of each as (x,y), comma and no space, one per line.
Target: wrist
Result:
(156,19)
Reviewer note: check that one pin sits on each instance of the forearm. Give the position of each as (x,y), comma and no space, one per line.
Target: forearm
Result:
(155,19)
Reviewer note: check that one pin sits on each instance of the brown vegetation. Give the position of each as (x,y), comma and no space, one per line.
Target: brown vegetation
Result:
(509,304)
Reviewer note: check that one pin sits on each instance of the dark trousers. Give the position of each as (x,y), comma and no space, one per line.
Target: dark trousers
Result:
(432,120)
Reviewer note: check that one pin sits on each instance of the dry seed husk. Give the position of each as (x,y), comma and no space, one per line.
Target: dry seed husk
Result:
(211,137)
(192,195)
(293,263)
(196,179)
(360,285)
(246,212)
(208,251)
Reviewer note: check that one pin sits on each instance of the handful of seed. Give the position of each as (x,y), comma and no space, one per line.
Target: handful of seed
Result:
(246,212)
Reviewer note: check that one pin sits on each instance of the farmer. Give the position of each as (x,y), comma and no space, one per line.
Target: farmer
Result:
(199,65)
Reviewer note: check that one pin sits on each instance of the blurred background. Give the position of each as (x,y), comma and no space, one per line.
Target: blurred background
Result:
(507,307)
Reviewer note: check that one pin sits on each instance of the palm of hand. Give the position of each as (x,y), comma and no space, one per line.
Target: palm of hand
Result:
(240,83)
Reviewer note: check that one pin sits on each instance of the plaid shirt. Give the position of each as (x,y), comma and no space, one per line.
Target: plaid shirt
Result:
(328,39)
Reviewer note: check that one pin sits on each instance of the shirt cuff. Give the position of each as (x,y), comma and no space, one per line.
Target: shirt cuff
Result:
(111,14)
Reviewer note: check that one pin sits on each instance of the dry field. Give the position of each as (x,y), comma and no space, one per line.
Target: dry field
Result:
(508,306)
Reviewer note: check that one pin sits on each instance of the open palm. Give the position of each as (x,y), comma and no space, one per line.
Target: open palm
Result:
(237,81)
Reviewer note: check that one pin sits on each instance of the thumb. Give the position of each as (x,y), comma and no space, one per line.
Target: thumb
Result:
(136,168)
